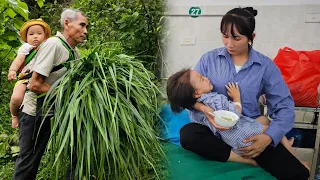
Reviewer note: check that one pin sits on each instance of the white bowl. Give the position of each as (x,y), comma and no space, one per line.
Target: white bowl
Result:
(225,118)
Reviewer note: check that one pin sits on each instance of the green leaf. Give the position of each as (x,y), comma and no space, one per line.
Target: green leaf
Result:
(22,5)
(158,28)
(21,8)
(10,13)
(3,3)
(10,36)
(14,149)
(40,3)
(2,17)
(123,25)
(135,14)
(3,137)
(106,108)
(14,44)
(3,150)
(18,23)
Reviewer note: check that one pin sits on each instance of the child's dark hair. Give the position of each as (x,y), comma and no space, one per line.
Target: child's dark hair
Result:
(180,91)
(242,19)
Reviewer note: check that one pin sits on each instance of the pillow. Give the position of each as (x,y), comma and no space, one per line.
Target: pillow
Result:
(172,123)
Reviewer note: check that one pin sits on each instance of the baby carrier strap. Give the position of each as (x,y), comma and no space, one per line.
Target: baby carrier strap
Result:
(55,68)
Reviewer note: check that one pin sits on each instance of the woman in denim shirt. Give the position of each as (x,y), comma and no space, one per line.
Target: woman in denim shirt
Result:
(256,74)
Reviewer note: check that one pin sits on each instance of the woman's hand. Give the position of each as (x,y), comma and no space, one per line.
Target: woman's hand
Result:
(209,114)
(259,144)
(233,91)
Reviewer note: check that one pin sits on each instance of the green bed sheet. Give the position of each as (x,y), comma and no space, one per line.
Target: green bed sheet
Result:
(185,165)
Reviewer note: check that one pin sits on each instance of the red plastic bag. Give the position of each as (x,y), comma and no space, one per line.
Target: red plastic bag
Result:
(301,72)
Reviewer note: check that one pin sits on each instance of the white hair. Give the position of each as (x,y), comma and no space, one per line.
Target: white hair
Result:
(71,14)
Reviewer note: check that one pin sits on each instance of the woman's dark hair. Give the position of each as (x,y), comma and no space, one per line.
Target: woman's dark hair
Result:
(242,19)
(180,92)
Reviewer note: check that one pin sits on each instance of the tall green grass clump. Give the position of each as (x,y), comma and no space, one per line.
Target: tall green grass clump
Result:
(106,112)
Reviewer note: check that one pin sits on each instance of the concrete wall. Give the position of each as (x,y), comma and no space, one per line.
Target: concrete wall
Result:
(242,2)
(278,24)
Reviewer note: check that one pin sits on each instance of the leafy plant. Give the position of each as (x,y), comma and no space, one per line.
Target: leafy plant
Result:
(8,150)
(106,110)
(50,12)
(12,14)
(136,24)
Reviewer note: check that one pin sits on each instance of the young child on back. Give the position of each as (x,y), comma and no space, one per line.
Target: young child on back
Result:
(187,87)
(33,32)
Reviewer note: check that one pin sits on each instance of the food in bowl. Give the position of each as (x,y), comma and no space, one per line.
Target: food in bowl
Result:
(225,118)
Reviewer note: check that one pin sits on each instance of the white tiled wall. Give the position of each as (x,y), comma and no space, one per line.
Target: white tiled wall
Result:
(242,2)
(277,26)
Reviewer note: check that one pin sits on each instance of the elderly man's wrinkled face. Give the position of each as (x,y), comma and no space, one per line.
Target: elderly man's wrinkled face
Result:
(77,29)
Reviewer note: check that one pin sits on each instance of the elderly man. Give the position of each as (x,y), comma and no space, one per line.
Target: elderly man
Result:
(46,71)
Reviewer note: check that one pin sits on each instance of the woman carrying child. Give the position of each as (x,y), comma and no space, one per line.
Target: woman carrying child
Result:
(187,87)
(255,74)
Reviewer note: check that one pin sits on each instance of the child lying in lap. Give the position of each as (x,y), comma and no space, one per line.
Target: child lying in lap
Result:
(187,87)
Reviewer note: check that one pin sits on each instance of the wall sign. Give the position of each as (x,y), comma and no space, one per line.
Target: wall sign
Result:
(195,11)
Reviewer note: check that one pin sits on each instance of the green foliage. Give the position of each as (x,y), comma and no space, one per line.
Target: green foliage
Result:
(9,149)
(12,14)
(50,12)
(106,111)
(8,145)
(136,24)
(40,3)
(6,169)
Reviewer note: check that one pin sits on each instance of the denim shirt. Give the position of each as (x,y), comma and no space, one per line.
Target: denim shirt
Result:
(258,76)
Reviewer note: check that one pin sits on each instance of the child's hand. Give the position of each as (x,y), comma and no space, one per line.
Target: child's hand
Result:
(12,75)
(208,112)
(234,91)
